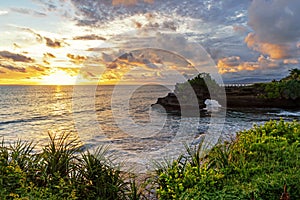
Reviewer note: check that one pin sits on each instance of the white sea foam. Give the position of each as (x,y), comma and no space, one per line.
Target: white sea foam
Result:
(289,113)
(212,105)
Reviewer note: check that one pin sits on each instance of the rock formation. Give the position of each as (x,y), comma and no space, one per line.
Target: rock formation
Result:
(276,94)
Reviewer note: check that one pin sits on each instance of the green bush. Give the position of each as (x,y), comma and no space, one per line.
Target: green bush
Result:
(256,165)
(286,88)
(60,171)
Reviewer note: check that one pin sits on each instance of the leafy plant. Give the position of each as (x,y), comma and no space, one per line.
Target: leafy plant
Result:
(101,178)
(286,88)
(255,165)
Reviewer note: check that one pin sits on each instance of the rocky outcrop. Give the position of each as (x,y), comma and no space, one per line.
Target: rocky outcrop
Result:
(253,97)
(249,96)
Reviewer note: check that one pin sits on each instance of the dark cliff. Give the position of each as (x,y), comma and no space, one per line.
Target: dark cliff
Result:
(276,94)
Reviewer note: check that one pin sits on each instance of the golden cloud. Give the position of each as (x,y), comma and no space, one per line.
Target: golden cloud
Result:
(77,59)
(25,73)
(6,55)
(275,51)
(290,61)
(234,64)
(71,71)
(49,55)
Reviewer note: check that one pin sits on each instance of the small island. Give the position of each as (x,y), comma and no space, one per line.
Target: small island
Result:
(284,93)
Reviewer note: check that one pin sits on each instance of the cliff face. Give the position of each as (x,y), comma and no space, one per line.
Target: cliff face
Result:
(277,94)
(236,97)
(254,97)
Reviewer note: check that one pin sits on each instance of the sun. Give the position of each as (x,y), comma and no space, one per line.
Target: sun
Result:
(58,77)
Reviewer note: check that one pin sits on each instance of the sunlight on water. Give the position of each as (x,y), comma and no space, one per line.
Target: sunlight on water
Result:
(30,112)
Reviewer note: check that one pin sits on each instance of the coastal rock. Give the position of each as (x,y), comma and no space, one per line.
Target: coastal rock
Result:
(236,97)
(276,94)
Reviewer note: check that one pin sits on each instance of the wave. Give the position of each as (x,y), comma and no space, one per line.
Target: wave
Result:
(32,119)
(288,114)
(25,120)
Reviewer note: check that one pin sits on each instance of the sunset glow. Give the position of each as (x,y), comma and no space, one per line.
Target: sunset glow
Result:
(58,78)
(94,92)
(246,39)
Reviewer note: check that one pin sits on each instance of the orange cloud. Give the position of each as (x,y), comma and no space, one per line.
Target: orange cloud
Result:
(89,37)
(25,73)
(70,71)
(275,51)
(49,55)
(53,43)
(6,55)
(290,61)
(234,64)
(77,59)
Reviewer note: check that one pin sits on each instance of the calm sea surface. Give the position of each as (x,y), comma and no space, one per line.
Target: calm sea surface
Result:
(119,117)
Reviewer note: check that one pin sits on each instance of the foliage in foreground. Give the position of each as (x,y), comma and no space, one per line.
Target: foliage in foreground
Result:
(60,171)
(255,165)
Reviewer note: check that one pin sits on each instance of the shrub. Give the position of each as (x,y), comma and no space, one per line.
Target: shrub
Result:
(60,171)
(256,165)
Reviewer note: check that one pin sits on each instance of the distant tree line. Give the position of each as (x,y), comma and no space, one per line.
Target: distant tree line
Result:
(286,88)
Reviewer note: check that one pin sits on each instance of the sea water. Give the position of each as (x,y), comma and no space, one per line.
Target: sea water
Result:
(119,117)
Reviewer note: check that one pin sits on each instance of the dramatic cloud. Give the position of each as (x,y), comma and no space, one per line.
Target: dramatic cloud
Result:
(275,21)
(54,43)
(49,55)
(13,72)
(240,29)
(89,37)
(77,59)
(50,5)
(276,27)
(28,12)
(13,68)
(291,61)
(70,71)
(16,46)
(3,12)
(14,57)
(269,44)
(95,12)
(38,68)
(129,2)
(148,65)
(276,51)
(38,36)
(235,64)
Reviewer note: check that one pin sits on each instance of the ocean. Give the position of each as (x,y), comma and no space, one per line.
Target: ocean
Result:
(120,117)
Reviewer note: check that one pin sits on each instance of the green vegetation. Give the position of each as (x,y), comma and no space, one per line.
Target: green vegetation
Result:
(257,164)
(202,80)
(60,171)
(286,88)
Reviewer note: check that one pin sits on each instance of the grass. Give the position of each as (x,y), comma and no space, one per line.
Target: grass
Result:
(258,164)
(60,171)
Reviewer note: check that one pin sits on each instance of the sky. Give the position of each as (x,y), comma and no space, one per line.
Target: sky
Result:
(106,41)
